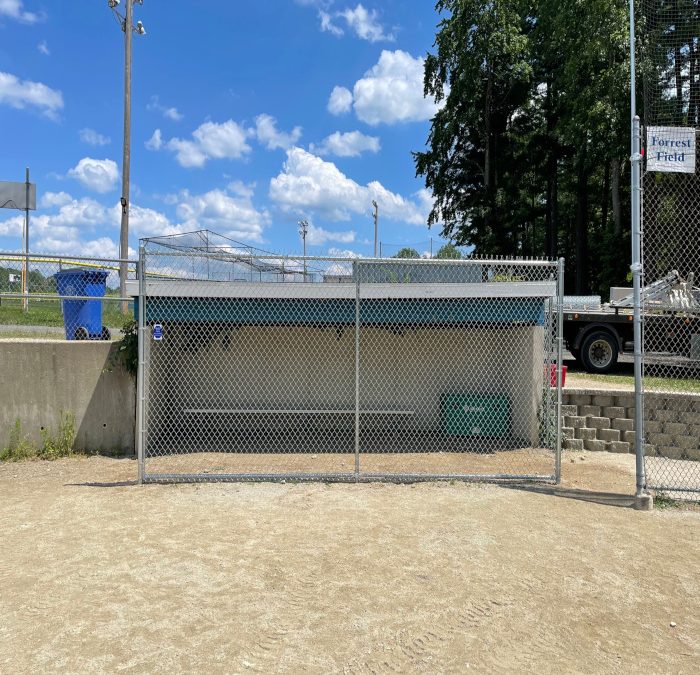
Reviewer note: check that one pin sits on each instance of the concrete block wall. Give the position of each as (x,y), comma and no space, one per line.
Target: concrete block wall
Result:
(603,420)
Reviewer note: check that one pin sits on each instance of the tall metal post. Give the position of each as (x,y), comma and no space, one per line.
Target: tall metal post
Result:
(25,238)
(140,383)
(560,357)
(636,267)
(356,269)
(126,161)
(376,225)
(303,231)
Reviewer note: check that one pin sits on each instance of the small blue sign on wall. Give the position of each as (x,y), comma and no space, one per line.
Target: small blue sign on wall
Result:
(157,331)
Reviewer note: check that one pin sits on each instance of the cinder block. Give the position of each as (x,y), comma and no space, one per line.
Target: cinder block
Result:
(696,405)
(630,412)
(614,412)
(624,401)
(686,442)
(618,446)
(609,435)
(567,432)
(660,439)
(675,428)
(603,400)
(570,410)
(573,444)
(595,446)
(653,427)
(690,417)
(649,450)
(670,451)
(587,410)
(623,424)
(665,415)
(580,399)
(574,421)
(693,455)
(628,436)
(597,422)
(679,403)
(586,434)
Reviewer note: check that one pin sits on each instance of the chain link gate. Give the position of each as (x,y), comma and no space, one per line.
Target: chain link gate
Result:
(671,248)
(271,368)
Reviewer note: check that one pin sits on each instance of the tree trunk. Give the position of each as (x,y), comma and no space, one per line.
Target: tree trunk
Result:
(605,200)
(581,224)
(617,216)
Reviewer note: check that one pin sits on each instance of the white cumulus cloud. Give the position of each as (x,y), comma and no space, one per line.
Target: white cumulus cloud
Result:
(24,93)
(43,48)
(318,236)
(348,144)
(14,9)
(52,199)
(155,142)
(100,175)
(308,183)
(232,215)
(365,24)
(92,137)
(169,112)
(210,140)
(267,133)
(390,92)
(340,101)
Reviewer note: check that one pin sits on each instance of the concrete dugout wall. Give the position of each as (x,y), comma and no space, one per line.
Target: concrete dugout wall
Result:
(41,378)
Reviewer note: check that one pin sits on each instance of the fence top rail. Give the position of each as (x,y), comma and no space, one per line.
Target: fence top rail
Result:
(224,255)
(49,258)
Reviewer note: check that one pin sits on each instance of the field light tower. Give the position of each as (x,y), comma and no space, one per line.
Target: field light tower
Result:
(126,22)
(303,231)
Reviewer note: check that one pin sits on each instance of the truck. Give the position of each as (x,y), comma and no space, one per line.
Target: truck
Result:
(597,334)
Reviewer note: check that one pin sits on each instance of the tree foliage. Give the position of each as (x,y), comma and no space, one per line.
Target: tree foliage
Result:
(407,252)
(448,252)
(528,154)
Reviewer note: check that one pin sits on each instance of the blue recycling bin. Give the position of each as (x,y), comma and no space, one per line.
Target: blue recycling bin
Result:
(82,319)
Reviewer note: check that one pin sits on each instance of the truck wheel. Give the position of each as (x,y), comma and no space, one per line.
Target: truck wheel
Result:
(599,352)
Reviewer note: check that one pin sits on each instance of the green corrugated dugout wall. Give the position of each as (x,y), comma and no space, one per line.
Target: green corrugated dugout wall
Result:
(296,311)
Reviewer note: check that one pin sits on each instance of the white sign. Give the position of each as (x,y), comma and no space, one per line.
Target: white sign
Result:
(671,149)
(13,278)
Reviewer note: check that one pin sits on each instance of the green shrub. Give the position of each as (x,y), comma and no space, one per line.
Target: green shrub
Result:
(60,445)
(18,447)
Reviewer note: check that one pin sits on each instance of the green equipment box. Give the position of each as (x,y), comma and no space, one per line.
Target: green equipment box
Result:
(475,414)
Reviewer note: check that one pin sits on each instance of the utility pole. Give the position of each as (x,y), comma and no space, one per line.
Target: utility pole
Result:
(376,223)
(303,231)
(127,25)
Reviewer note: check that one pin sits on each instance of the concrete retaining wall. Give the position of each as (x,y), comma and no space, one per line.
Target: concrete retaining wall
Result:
(41,378)
(603,420)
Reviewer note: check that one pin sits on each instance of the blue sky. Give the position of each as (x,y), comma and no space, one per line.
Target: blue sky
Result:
(247,116)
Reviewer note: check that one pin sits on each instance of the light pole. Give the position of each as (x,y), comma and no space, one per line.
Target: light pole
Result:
(303,231)
(376,223)
(127,25)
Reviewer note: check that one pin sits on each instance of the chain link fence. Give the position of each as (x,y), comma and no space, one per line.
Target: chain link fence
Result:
(260,367)
(62,297)
(671,247)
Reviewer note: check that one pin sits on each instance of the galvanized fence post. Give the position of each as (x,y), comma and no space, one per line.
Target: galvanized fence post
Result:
(636,268)
(140,383)
(356,269)
(560,355)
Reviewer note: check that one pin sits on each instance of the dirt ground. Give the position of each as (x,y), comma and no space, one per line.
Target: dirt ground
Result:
(100,575)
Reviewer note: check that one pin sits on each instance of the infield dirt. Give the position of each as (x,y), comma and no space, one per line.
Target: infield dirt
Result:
(100,575)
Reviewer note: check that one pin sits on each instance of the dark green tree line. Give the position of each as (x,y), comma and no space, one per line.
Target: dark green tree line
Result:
(529,154)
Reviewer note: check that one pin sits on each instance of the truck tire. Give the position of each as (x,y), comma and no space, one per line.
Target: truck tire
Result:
(599,352)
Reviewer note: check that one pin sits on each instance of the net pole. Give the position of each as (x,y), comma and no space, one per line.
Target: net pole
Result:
(560,356)
(140,382)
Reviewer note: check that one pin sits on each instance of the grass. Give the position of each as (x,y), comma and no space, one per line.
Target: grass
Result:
(53,445)
(650,383)
(48,313)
